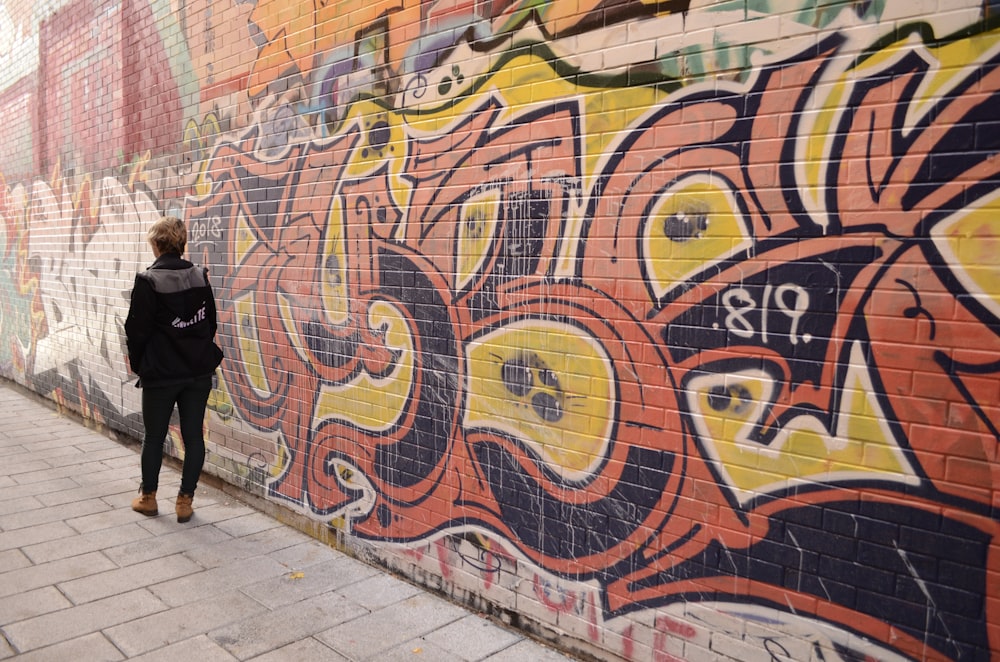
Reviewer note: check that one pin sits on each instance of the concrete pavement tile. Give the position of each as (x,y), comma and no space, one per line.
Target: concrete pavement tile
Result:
(32,603)
(271,630)
(291,587)
(416,650)
(113,487)
(201,649)
(218,580)
(129,460)
(130,578)
(11,506)
(25,466)
(5,649)
(259,544)
(175,625)
(528,649)
(151,547)
(51,514)
(49,574)
(305,554)
(92,648)
(116,516)
(79,473)
(106,539)
(304,649)
(380,590)
(13,559)
(17,491)
(43,454)
(387,628)
(6,481)
(87,445)
(473,637)
(248,524)
(100,474)
(27,425)
(42,436)
(75,622)
(80,457)
(208,512)
(35,534)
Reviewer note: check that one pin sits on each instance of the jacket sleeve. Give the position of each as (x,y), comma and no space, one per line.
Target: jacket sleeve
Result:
(139,324)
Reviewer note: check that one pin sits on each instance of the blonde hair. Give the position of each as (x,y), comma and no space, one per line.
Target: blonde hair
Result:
(168,235)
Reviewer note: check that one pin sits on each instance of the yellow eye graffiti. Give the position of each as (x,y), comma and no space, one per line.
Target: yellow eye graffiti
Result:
(550,386)
(969,242)
(696,222)
(728,407)
(477,225)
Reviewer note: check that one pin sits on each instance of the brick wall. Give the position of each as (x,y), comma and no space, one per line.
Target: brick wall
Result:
(667,331)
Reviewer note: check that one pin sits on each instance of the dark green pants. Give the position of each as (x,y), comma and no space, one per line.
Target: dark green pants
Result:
(158,402)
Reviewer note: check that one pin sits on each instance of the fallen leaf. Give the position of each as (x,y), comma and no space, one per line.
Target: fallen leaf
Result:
(297,575)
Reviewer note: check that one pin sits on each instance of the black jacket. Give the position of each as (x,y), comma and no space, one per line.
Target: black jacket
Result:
(171,323)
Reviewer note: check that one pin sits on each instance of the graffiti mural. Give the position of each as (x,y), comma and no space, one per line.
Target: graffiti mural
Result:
(670,344)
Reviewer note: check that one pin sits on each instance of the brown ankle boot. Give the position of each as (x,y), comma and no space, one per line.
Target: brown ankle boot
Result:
(183,506)
(145,503)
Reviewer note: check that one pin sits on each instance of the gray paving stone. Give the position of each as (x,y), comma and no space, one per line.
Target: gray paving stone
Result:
(305,649)
(77,472)
(248,524)
(115,517)
(89,542)
(217,580)
(123,580)
(24,504)
(201,649)
(49,574)
(92,648)
(35,534)
(150,547)
(295,586)
(43,454)
(387,628)
(78,621)
(416,649)
(79,457)
(379,591)
(234,549)
(206,512)
(13,559)
(271,630)
(129,460)
(528,649)
(100,473)
(27,605)
(305,554)
(5,650)
(51,514)
(17,490)
(95,444)
(175,625)
(473,637)
(115,487)
(25,466)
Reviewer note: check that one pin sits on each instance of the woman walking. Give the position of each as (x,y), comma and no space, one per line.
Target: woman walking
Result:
(170,332)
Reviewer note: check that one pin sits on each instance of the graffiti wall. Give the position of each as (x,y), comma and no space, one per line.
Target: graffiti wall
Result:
(668,330)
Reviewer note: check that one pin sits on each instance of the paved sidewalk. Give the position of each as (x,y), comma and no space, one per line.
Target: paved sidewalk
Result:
(82,577)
